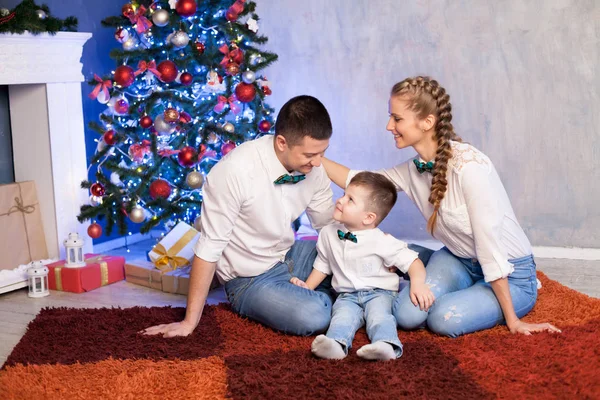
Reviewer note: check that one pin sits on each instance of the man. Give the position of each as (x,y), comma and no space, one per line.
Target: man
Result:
(251,198)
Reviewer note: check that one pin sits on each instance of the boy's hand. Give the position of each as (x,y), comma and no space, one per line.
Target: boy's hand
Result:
(299,282)
(421,295)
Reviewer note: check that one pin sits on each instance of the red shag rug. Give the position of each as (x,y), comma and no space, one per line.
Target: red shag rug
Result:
(96,353)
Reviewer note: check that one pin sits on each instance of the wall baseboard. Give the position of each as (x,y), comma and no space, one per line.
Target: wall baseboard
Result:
(120,242)
(572,253)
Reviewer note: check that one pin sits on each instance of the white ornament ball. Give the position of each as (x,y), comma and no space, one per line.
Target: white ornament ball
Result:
(162,126)
(194,179)
(180,39)
(228,127)
(197,223)
(160,18)
(95,200)
(103,98)
(41,14)
(248,76)
(137,215)
(129,44)
(4,12)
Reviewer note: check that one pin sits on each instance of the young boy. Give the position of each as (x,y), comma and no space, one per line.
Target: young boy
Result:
(360,256)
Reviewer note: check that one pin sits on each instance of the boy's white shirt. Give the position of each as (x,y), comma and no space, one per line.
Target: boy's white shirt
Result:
(362,265)
(246,225)
(476,219)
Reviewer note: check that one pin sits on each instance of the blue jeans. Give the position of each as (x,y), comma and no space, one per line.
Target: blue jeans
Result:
(272,300)
(464,302)
(350,311)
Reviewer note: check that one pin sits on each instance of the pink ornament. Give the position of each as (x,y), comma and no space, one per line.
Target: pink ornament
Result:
(227,147)
(122,106)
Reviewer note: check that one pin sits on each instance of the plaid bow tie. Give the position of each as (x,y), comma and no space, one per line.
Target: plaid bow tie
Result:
(293,179)
(348,236)
(423,166)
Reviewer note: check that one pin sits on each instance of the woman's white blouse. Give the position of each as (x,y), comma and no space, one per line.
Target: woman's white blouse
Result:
(476,219)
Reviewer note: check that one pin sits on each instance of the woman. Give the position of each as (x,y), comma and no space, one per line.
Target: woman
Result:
(485,274)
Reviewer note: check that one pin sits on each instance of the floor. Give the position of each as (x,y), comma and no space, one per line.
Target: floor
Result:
(17,309)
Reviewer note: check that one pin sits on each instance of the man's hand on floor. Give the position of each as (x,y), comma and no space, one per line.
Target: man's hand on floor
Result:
(170,330)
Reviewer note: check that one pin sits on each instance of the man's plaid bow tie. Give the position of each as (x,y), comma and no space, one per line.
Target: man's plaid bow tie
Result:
(293,179)
(348,236)
(423,166)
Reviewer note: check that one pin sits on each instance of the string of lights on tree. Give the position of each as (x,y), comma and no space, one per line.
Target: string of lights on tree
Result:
(185,92)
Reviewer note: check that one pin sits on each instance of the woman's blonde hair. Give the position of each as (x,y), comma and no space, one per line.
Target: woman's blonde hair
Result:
(426,97)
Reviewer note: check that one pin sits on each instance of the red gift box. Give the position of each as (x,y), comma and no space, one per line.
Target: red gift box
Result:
(99,271)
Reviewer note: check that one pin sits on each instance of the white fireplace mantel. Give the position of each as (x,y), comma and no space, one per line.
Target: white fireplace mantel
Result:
(44,77)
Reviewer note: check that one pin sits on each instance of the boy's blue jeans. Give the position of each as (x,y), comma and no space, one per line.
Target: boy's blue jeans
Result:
(464,302)
(352,310)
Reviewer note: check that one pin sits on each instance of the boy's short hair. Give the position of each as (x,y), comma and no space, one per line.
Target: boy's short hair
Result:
(303,116)
(382,193)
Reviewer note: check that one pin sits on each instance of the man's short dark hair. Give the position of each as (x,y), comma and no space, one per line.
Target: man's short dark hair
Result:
(382,193)
(303,116)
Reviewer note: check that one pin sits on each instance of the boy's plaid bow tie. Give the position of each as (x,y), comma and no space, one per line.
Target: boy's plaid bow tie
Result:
(423,166)
(293,179)
(348,236)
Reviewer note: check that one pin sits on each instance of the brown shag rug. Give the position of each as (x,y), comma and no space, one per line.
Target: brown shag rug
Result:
(97,353)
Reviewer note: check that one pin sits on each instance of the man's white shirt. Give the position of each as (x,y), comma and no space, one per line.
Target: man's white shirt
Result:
(362,265)
(246,224)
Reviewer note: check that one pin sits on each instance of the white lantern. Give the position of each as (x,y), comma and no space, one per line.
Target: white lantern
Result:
(74,250)
(37,275)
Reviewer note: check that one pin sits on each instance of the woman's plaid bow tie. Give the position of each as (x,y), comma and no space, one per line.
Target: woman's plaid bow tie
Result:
(348,236)
(293,179)
(423,166)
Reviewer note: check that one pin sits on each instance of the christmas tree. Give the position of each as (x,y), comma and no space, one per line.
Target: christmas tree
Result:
(185,92)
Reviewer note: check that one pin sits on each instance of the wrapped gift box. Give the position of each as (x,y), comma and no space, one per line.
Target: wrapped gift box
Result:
(178,281)
(144,273)
(22,237)
(99,271)
(176,249)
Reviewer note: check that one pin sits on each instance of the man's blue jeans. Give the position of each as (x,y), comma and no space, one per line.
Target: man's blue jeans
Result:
(272,300)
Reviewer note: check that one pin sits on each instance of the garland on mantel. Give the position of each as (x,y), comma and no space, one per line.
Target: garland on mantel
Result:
(29,17)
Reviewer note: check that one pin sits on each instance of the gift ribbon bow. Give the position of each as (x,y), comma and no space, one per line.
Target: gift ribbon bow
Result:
(137,18)
(293,179)
(20,207)
(347,236)
(144,66)
(423,166)
(168,259)
(235,55)
(102,86)
(139,150)
(222,101)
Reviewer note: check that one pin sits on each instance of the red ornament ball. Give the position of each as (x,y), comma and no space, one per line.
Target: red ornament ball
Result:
(186,8)
(186,78)
(94,231)
(110,137)
(124,75)
(168,71)
(227,147)
(122,106)
(188,157)
(146,122)
(97,189)
(245,92)
(264,126)
(200,47)
(184,117)
(231,15)
(160,189)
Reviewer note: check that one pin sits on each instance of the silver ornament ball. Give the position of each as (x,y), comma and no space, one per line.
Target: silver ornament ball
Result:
(4,12)
(180,39)
(160,18)
(137,215)
(41,14)
(197,223)
(194,179)
(248,76)
(162,126)
(95,200)
(129,44)
(228,127)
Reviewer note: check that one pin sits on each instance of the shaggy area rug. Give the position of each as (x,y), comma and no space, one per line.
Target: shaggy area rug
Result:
(96,353)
